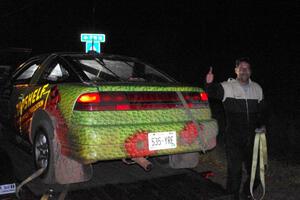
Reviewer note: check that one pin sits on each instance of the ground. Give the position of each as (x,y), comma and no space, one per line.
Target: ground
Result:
(282,176)
(282,179)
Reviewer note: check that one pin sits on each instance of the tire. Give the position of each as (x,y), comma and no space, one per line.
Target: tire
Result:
(43,154)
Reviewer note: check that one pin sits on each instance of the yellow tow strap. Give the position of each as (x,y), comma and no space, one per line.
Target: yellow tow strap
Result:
(27,180)
(203,142)
(259,152)
(36,174)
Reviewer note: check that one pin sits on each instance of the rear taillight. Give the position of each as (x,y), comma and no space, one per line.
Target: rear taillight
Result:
(137,101)
(204,96)
(89,98)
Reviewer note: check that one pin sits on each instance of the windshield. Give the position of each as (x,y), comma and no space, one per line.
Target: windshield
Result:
(117,70)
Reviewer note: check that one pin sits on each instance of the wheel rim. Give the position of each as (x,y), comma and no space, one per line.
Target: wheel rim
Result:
(41,151)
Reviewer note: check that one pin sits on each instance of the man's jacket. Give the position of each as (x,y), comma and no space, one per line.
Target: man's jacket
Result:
(244,109)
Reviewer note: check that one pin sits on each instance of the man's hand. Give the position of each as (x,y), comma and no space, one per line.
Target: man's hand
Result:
(209,76)
(262,129)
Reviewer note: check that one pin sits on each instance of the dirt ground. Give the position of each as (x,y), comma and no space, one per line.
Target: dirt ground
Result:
(282,176)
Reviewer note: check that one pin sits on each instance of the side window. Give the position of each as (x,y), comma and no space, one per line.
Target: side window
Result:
(59,72)
(25,75)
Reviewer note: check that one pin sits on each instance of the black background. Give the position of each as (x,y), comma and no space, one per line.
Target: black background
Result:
(182,38)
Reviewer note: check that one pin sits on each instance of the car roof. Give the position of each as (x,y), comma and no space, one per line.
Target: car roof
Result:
(80,54)
(90,55)
(94,54)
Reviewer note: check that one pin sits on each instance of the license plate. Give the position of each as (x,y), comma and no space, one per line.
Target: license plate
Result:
(162,140)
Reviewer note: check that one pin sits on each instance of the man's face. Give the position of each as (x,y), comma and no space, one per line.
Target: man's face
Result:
(243,71)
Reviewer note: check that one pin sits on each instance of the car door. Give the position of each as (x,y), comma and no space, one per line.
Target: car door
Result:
(20,100)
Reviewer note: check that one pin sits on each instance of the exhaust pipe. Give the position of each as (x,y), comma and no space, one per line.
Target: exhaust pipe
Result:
(141,161)
(144,163)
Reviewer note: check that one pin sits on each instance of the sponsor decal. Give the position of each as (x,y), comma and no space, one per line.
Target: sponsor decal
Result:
(33,101)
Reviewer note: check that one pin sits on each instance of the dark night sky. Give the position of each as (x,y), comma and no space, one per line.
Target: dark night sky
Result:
(182,38)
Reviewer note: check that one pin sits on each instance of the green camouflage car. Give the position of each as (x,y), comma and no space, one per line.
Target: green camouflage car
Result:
(77,109)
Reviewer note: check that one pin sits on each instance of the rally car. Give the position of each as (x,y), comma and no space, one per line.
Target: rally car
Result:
(77,109)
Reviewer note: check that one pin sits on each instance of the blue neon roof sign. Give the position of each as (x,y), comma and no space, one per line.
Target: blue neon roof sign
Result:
(92,41)
(89,37)
(90,46)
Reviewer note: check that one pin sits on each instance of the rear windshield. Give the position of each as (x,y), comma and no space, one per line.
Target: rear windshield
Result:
(116,70)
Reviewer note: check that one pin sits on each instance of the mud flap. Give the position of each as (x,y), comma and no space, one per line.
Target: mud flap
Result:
(185,160)
(61,169)
(69,171)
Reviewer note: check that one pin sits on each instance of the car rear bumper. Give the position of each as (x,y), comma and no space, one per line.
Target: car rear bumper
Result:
(117,142)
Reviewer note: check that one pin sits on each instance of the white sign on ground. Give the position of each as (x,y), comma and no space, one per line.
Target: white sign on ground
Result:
(7,188)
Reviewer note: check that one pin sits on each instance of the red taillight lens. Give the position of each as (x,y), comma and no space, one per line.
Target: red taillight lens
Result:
(122,107)
(121,101)
(89,98)
(204,96)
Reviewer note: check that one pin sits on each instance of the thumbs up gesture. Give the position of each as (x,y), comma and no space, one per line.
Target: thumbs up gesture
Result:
(209,76)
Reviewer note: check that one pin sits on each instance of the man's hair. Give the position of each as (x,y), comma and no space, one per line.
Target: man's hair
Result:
(243,59)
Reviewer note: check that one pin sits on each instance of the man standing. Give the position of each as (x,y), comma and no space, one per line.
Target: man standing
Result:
(243,104)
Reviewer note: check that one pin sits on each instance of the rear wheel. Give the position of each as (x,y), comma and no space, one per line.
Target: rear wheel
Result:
(43,153)
(41,150)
